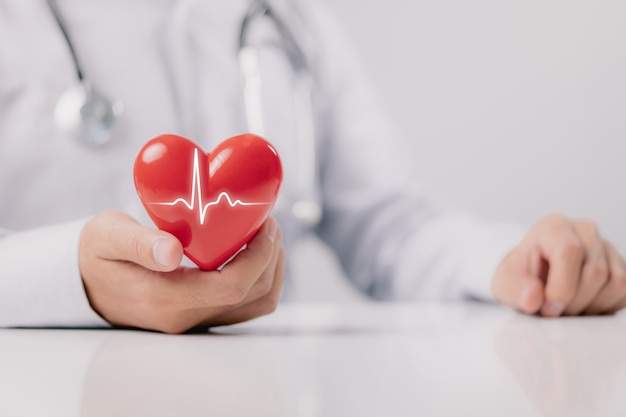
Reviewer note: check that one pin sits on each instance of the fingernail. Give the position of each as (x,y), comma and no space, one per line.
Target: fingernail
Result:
(553,309)
(272,229)
(162,253)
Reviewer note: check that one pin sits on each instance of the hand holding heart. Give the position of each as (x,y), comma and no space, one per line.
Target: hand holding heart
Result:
(132,275)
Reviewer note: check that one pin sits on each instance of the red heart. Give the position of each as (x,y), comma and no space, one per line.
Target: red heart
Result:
(213,203)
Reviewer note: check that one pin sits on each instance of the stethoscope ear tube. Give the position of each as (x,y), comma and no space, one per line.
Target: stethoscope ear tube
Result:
(252,94)
(54,8)
(306,208)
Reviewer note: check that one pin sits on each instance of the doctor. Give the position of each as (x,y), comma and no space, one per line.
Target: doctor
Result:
(76,248)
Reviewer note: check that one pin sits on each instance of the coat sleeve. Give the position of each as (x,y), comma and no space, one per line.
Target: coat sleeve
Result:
(40,283)
(393,240)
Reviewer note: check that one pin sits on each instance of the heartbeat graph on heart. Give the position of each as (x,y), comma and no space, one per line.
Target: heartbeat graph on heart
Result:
(196,192)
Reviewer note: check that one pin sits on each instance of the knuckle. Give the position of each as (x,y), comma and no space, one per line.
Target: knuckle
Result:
(104,217)
(570,248)
(234,294)
(101,223)
(111,215)
(554,219)
(589,226)
(597,272)
(108,217)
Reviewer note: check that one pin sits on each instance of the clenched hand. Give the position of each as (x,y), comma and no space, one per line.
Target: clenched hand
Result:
(562,267)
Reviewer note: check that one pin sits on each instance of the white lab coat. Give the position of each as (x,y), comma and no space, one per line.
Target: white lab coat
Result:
(173,66)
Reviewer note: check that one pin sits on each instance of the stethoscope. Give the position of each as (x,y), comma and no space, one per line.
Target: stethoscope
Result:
(89,116)
(82,111)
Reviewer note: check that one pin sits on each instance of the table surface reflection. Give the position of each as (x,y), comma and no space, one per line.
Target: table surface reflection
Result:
(326,360)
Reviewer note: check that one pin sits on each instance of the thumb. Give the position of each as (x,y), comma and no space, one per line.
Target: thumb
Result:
(517,288)
(120,237)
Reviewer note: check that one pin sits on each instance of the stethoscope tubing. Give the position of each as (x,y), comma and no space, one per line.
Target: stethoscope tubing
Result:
(56,13)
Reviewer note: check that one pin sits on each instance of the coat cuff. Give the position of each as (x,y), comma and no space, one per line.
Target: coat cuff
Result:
(40,280)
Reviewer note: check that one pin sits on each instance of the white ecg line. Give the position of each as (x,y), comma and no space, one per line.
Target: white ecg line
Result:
(196,188)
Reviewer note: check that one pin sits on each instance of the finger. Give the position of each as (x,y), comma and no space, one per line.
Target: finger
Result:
(561,247)
(248,266)
(518,285)
(259,307)
(265,282)
(595,271)
(120,237)
(612,296)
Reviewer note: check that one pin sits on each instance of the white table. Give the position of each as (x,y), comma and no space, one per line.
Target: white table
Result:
(326,360)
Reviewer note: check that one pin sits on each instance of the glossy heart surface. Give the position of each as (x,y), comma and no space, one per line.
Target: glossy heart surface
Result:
(214,203)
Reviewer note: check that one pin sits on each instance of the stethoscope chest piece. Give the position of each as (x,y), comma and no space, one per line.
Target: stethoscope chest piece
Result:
(86,115)
(82,112)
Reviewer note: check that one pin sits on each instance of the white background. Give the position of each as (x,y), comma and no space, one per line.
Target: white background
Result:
(512,109)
